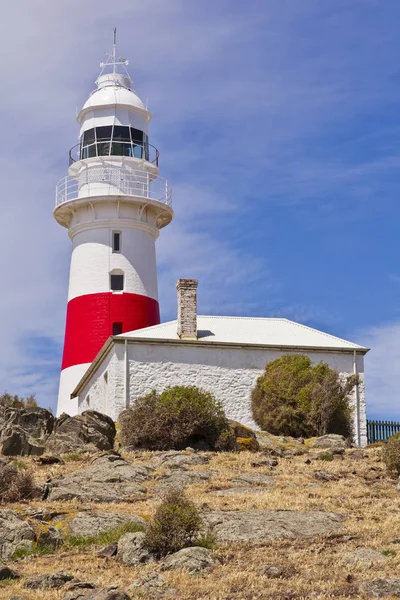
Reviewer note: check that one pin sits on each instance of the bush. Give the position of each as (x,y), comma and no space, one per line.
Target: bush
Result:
(391,454)
(177,418)
(15,401)
(14,485)
(294,397)
(176,525)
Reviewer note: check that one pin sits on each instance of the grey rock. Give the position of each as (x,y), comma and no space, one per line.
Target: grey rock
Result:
(7,573)
(181,478)
(332,442)
(108,551)
(15,534)
(88,524)
(193,560)
(364,557)
(254,479)
(87,432)
(50,538)
(268,444)
(272,571)
(131,550)
(175,460)
(151,585)
(382,588)
(264,525)
(355,454)
(79,590)
(24,430)
(49,581)
(108,479)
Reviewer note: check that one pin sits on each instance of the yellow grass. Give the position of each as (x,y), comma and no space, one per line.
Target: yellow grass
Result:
(364,495)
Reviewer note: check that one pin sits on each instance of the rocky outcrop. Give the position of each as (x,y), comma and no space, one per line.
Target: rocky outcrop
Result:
(193,560)
(24,431)
(131,550)
(181,478)
(332,442)
(152,585)
(88,432)
(264,525)
(50,581)
(90,524)
(382,587)
(15,534)
(108,479)
(365,557)
(7,573)
(245,438)
(175,459)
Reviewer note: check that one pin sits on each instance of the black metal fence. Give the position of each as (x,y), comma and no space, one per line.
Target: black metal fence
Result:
(380,431)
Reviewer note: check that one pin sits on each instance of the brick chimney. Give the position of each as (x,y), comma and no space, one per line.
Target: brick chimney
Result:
(187,308)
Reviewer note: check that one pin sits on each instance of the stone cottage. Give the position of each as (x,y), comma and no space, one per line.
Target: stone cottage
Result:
(223,355)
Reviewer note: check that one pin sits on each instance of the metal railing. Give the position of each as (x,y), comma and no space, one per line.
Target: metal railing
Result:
(380,431)
(113,147)
(99,181)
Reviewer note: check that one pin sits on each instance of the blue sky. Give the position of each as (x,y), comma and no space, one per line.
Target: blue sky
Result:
(278,123)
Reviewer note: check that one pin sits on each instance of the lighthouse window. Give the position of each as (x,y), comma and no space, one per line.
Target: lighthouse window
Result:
(114,140)
(117,283)
(116,241)
(117,328)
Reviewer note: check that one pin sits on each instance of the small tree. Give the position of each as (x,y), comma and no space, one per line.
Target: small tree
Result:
(177,418)
(294,397)
(176,525)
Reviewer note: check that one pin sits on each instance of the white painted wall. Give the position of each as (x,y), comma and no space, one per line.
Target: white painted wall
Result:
(229,373)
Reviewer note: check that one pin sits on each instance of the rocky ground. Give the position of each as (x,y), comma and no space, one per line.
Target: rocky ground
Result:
(288,521)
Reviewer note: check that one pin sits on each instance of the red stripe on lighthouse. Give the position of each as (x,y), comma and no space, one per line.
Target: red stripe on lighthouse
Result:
(90,321)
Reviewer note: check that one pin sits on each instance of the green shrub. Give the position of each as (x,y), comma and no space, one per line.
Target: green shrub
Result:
(391,454)
(176,418)
(296,398)
(176,525)
(15,485)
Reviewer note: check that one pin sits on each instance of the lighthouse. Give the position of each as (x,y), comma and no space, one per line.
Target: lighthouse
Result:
(113,203)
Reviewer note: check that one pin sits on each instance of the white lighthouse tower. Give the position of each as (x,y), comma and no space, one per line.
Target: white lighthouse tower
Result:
(113,203)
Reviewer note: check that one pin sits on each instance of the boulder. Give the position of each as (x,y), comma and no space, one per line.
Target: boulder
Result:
(131,550)
(152,585)
(88,432)
(109,478)
(276,571)
(15,534)
(90,524)
(181,478)
(7,573)
(245,438)
(332,442)
(382,587)
(268,444)
(50,537)
(24,430)
(176,460)
(108,551)
(265,525)
(364,557)
(49,581)
(193,560)
(79,590)
(111,592)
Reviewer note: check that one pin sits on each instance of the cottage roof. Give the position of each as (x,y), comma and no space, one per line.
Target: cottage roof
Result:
(248,331)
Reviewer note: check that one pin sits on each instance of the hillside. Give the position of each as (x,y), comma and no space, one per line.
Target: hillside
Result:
(288,554)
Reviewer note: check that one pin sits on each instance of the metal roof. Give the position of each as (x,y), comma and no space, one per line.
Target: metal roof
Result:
(248,331)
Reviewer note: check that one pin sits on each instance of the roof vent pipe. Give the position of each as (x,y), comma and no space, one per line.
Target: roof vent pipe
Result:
(187,308)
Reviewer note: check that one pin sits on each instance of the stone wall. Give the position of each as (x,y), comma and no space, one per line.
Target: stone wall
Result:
(228,372)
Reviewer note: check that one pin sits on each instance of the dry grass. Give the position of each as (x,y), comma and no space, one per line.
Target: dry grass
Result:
(364,494)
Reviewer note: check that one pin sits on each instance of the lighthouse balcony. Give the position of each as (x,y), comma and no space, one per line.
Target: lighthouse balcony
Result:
(113,181)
